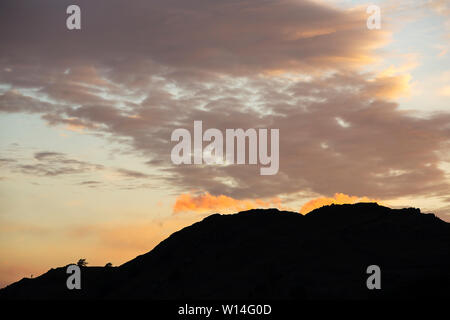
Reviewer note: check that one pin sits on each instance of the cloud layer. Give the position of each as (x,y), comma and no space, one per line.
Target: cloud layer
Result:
(292,65)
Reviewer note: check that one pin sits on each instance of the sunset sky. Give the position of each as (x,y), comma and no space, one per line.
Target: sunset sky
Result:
(86,116)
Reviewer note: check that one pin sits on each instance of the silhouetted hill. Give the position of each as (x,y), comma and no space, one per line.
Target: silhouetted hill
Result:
(276,255)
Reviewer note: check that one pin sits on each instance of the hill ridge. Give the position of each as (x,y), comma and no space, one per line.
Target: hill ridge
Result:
(273,254)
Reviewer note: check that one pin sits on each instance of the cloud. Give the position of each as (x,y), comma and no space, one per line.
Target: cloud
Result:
(208,203)
(46,155)
(232,36)
(90,183)
(13,101)
(55,164)
(6,161)
(390,87)
(132,174)
(317,154)
(292,65)
(338,198)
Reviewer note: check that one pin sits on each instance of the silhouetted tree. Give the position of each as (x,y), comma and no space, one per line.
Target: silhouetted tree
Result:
(82,263)
(108,265)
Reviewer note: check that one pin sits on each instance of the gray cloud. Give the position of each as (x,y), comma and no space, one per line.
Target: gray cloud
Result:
(55,164)
(383,152)
(132,174)
(233,35)
(168,63)
(89,182)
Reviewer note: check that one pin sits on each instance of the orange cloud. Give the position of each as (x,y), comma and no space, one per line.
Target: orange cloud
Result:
(391,87)
(395,81)
(339,198)
(208,203)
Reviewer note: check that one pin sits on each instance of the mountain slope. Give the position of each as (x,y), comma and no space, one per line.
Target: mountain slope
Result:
(273,254)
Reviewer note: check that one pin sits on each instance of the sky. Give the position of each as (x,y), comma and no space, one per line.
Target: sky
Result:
(86,116)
